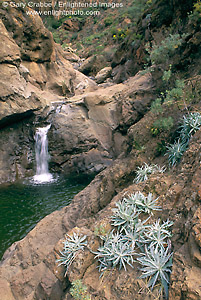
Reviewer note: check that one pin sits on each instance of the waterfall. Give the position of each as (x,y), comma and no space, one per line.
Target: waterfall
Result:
(42,156)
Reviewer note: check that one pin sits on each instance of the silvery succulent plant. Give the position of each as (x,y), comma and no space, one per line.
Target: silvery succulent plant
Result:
(115,251)
(72,245)
(157,234)
(146,170)
(143,203)
(175,152)
(190,125)
(135,236)
(157,265)
(124,216)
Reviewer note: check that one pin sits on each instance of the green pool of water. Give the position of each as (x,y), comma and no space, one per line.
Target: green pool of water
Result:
(23,204)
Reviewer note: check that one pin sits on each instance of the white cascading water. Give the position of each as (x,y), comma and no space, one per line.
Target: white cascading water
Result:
(42,157)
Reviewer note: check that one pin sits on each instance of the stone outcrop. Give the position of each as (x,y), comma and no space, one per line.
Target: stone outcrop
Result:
(103,74)
(34,70)
(89,129)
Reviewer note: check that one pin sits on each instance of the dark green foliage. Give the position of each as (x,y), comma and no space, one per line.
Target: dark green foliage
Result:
(162,124)
(52,23)
(161,54)
(161,148)
(175,94)
(74,36)
(156,106)
(108,21)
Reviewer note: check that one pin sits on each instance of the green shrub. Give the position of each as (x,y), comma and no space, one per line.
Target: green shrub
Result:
(161,54)
(100,230)
(74,36)
(162,124)
(79,291)
(175,94)
(161,148)
(167,74)
(56,37)
(169,97)
(108,21)
(197,6)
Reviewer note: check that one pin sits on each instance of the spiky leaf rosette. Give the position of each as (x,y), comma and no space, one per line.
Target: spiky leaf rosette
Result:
(190,125)
(146,170)
(175,152)
(124,216)
(135,236)
(143,203)
(72,245)
(115,251)
(156,266)
(158,234)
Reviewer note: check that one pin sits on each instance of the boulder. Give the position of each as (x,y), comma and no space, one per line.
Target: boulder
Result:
(72,25)
(72,57)
(87,66)
(103,74)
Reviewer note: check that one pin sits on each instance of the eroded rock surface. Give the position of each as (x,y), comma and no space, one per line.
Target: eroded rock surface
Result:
(90,129)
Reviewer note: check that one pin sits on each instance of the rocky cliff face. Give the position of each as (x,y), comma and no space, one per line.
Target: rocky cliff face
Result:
(33,73)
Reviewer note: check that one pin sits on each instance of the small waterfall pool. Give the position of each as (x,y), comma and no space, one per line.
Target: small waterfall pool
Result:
(23,204)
